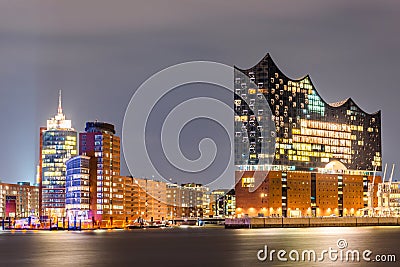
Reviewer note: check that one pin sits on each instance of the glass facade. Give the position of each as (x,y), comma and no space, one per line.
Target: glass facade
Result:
(58,147)
(77,199)
(58,144)
(310,133)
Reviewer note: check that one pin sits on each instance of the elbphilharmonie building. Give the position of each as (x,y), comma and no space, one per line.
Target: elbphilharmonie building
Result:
(313,140)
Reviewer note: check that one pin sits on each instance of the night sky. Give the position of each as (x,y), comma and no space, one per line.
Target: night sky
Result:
(99,52)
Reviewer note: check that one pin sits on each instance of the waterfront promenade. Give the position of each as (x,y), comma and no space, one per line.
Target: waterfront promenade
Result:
(311,222)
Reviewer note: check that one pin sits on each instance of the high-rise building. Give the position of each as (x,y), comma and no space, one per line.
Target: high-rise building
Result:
(18,200)
(58,144)
(324,155)
(100,143)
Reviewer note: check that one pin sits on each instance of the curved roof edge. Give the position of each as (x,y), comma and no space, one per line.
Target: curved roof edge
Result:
(268,57)
(350,100)
(338,104)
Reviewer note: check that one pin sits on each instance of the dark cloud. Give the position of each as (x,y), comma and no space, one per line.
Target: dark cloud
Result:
(98,52)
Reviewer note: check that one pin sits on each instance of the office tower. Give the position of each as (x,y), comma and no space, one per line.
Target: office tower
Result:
(58,144)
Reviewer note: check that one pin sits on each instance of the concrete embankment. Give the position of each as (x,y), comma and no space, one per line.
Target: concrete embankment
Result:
(310,222)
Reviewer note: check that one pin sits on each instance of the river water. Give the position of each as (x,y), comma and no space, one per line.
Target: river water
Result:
(193,246)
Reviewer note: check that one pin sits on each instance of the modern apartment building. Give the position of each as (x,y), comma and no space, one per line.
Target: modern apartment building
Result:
(18,200)
(187,200)
(100,143)
(149,200)
(222,203)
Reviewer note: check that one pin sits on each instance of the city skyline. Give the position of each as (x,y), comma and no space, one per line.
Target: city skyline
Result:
(199,133)
(99,62)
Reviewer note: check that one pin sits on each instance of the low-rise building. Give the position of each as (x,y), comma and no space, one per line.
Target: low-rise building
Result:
(394,200)
(19,200)
(149,201)
(222,203)
(102,145)
(388,199)
(187,201)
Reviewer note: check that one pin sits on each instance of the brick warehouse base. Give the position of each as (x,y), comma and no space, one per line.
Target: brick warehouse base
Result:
(297,194)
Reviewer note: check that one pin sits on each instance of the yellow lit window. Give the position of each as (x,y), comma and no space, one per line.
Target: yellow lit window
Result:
(252,91)
(248,182)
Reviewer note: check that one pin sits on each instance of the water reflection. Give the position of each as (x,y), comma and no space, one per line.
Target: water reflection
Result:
(184,247)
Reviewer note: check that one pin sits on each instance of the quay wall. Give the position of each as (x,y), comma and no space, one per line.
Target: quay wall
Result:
(311,222)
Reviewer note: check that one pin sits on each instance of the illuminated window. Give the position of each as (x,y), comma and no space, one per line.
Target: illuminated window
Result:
(252,91)
(248,182)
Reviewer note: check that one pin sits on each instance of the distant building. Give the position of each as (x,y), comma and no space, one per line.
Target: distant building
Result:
(149,200)
(324,155)
(388,199)
(223,203)
(174,201)
(100,143)
(187,201)
(394,199)
(216,209)
(58,143)
(18,200)
(230,203)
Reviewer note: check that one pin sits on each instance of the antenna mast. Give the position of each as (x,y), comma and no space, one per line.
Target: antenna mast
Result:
(59,103)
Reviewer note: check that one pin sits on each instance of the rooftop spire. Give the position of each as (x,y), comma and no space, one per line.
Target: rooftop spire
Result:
(60,111)
(59,121)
